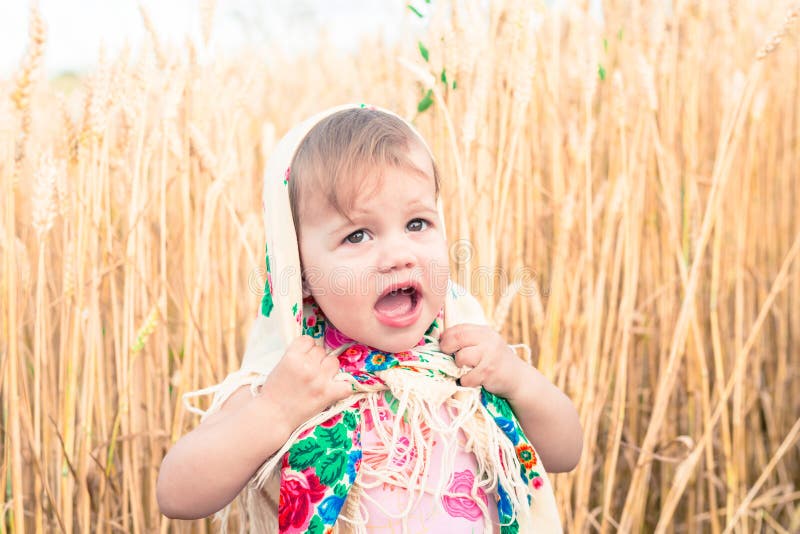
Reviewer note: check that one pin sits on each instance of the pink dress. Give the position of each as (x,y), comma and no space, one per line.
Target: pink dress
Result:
(453,514)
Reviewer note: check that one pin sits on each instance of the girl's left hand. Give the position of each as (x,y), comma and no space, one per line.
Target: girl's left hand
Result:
(494,364)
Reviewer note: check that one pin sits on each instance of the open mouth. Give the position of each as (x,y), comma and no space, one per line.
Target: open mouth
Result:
(399,305)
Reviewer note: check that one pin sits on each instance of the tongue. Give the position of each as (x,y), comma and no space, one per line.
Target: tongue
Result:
(395,304)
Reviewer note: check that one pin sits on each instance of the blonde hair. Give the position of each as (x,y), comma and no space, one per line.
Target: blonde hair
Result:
(346,152)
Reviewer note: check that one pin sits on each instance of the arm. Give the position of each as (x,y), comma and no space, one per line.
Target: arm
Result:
(229,448)
(210,465)
(548,418)
(546,414)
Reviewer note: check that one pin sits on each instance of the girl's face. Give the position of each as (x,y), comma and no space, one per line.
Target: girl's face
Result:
(395,241)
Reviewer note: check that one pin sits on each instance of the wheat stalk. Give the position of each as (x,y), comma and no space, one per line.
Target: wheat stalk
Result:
(46,177)
(31,67)
(774,40)
(207,8)
(153,34)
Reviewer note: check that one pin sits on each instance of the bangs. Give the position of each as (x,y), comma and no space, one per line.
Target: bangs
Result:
(343,157)
(342,187)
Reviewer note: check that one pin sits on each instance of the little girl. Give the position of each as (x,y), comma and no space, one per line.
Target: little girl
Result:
(379,400)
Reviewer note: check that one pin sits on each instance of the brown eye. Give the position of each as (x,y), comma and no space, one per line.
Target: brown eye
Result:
(416,225)
(356,237)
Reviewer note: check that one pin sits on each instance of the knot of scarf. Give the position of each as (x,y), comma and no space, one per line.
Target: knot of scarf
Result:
(321,463)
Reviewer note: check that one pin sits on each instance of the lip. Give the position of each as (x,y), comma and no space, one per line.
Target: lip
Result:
(400,285)
(404,320)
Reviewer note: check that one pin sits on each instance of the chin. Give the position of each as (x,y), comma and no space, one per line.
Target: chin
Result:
(397,342)
(396,347)
(389,339)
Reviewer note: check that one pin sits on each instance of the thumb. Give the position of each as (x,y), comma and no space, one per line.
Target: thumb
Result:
(342,386)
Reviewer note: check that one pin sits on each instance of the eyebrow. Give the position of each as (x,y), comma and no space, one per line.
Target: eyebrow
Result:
(423,207)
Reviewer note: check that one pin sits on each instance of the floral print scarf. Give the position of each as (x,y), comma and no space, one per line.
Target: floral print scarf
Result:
(319,469)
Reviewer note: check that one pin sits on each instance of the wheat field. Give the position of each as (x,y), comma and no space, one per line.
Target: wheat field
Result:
(622,195)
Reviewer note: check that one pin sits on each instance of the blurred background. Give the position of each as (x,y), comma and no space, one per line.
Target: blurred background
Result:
(77,28)
(621,179)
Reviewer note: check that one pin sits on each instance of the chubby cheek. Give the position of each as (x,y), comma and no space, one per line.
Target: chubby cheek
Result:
(438,271)
(346,287)
(339,311)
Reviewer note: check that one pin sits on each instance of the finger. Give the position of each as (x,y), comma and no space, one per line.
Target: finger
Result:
(474,378)
(316,354)
(302,344)
(459,336)
(330,364)
(452,339)
(469,356)
(341,387)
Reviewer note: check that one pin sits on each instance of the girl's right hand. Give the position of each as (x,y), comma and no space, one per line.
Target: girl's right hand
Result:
(302,385)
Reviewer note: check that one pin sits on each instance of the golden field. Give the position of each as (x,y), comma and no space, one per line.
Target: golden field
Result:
(623,197)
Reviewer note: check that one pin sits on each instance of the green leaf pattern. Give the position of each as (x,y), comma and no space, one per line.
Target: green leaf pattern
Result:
(266,300)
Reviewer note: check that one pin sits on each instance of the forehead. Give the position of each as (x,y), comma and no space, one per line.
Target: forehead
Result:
(352,193)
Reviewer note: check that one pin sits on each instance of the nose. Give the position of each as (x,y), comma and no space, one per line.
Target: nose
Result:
(397,255)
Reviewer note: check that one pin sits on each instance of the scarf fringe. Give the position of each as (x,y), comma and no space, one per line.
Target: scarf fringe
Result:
(420,400)
(223,390)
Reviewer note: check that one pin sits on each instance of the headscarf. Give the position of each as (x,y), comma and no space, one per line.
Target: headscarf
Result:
(324,452)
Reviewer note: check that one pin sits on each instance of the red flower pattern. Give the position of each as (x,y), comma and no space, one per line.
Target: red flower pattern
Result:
(298,492)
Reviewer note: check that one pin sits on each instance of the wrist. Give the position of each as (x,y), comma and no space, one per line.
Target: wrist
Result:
(524,380)
(520,376)
(269,419)
(538,398)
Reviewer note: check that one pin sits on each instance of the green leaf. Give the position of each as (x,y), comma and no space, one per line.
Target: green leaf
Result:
(391,401)
(443,77)
(333,438)
(331,467)
(423,51)
(454,84)
(266,303)
(513,528)
(340,490)
(316,526)
(349,421)
(601,71)
(304,453)
(416,12)
(500,405)
(266,300)
(426,101)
